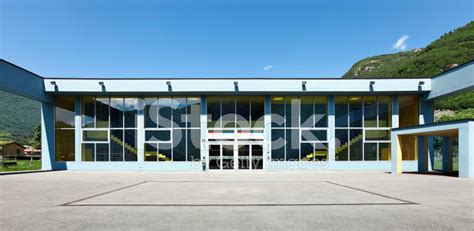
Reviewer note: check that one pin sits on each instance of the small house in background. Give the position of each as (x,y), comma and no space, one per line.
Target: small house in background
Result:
(11,149)
(30,151)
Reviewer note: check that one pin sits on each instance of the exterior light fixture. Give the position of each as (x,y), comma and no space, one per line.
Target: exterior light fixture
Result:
(421,83)
(303,83)
(236,83)
(168,83)
(101,83)
(372,83)
(53,83)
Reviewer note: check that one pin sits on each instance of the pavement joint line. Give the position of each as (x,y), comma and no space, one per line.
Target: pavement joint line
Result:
(101,194)
(373,193)
(71,204)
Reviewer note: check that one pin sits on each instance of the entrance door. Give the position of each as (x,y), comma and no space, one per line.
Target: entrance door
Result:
(250,156)
(235,156)
(221,157)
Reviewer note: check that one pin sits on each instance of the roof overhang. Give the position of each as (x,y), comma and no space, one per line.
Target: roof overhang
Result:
(203,86)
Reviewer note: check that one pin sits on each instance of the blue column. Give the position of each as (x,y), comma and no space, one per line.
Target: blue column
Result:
(427,117)
(77,131)
(422,154)
(203,121)
(447,155)
(331,129)
(47,136)
(267,133)
(466,150)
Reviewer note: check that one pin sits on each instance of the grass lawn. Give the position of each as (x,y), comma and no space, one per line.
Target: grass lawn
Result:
(22,165)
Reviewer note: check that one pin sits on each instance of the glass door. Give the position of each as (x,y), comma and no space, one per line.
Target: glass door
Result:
(257,156)
(235,156)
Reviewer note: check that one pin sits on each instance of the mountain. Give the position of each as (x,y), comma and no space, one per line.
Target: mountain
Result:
(18,116)
(450,50)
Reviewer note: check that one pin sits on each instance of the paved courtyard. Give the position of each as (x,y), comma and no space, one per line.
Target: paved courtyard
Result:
(68,200)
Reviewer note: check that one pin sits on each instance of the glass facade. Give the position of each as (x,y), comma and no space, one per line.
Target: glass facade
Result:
(65,111)
(299,128)
(362,128)
(171,128)
(109,128)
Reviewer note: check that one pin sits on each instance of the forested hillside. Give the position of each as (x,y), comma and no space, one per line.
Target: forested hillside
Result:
(450,50)
(18,116)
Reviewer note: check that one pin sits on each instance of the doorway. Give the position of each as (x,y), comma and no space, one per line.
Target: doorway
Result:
(235,156)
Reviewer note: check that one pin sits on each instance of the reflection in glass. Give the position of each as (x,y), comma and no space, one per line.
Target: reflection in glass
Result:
(88,152)
(214,156)
(179,142)
(151,152)
(292,145)
(102,152)
(165,110)
(131,110)
(257,156)
(194,138)
(243,112)
(307,113)
(227,157)
(213,112)
(87,112)
(257,111)
(278,144)
(164,152)
(228,112)
(385,111)
(131,151)
(321,111)
(370,151)
(244,157)
(65,111)
(342,145)
(64,148)
(116,112)
(179,112)
(355,110)
(384,151)
(278,111)
(370,111)
(355,144)
(116,145)
(102,112)
(341,113)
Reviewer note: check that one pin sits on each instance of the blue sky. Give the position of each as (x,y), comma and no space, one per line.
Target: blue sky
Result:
(125,38)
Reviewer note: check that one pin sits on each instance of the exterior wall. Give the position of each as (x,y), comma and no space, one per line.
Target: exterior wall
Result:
(140,164)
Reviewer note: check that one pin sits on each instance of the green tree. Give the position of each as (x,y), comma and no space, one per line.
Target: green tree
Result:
(5,136)
(35,141)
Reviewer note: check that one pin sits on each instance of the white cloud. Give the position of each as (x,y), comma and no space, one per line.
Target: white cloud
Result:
(267,67)
(401,43)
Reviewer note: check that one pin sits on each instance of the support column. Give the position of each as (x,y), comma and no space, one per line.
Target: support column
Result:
(141,132)
(466,151)
(427,117)
(267,133)
(203,122)
(77,131)
(47,136)
(447,154)
(331,129)
(422,154)
(396,155)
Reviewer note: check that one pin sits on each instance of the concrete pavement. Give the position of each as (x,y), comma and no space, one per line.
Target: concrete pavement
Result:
(69,200)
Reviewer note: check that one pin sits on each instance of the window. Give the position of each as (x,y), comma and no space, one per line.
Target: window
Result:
(363,127)
(299,128)
(109,128)
(408,114)
(64,128)
(172,128)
